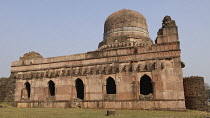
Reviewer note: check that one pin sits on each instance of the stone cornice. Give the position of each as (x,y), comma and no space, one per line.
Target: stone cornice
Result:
(105,69)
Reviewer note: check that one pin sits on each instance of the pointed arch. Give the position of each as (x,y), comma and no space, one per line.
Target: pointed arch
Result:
(28,89)
(146,85)
(80,89)
(110,86)
(51,86)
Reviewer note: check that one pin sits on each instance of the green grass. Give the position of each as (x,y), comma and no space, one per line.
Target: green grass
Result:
(12,112)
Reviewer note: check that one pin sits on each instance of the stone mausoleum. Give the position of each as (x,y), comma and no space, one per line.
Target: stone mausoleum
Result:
(127,71)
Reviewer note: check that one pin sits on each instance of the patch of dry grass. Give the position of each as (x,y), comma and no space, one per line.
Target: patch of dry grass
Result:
(12,112)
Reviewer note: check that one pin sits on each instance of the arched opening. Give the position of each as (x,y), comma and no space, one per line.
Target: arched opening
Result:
(146,85)
(110,86)
(51,85)
(80,89)
(28,89)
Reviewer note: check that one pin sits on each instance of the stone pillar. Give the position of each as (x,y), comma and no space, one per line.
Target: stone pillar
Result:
(85,96)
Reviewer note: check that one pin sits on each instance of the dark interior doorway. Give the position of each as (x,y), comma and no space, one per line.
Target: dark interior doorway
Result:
(51,88)
(146,85)
(110,86)
(28,89)
(80,89)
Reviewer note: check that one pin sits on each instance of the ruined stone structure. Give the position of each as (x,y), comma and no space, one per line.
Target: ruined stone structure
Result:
(127,71)
(195,93)
(7,89)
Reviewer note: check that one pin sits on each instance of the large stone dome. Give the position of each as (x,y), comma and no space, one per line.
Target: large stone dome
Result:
(125,18)
(125,26)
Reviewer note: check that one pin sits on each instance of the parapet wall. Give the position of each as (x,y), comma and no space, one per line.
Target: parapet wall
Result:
(195,93)
(154,52)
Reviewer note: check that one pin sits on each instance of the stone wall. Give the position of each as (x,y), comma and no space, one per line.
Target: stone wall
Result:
(100,104)
(160,62)
(7,89)
(195,93)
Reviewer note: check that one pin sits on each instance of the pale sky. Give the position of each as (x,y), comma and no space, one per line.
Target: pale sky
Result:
(66,27)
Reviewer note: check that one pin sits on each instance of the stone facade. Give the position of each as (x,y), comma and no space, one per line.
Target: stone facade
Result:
(127,71)
(195,93)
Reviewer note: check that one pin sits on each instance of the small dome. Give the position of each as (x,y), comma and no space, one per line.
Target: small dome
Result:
(31,56)
(125,18)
